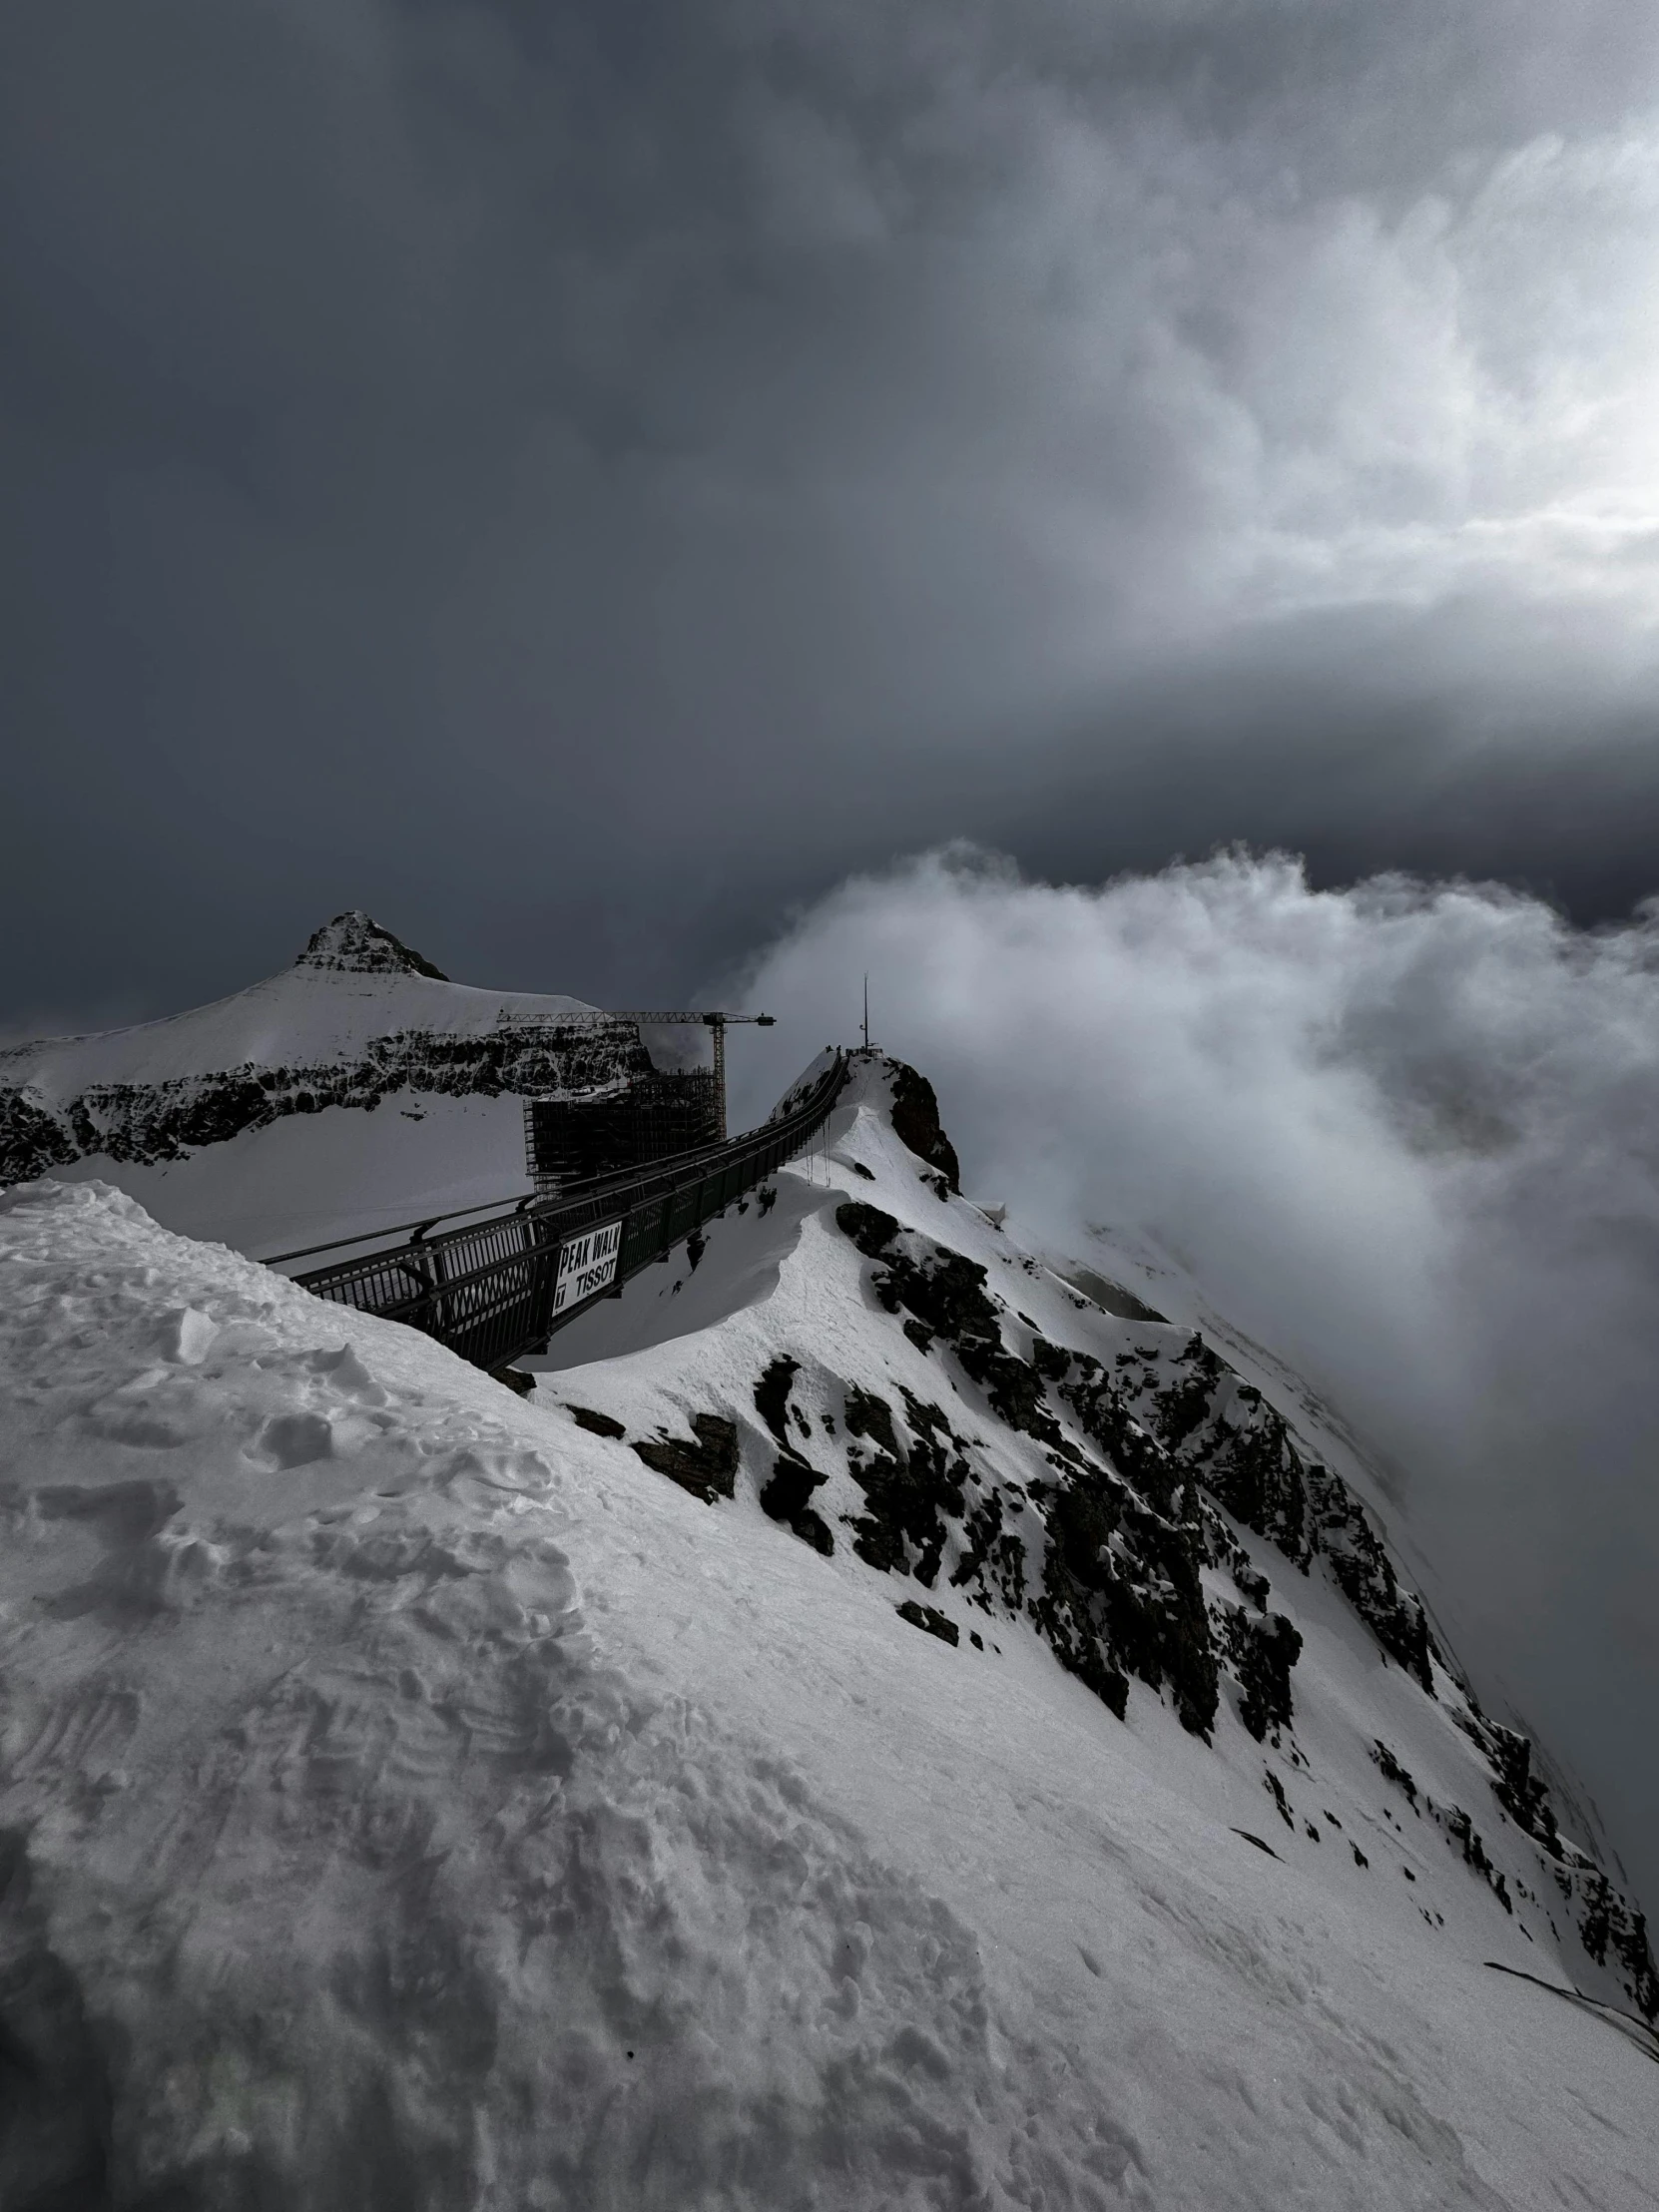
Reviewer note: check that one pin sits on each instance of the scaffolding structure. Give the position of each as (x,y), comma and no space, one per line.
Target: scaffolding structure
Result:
(569,1141)
(657,1116)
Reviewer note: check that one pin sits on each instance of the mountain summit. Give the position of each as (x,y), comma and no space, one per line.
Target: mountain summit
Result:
(360,946)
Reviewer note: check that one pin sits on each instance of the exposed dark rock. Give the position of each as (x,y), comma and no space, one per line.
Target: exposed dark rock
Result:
(910,1494)
(1393,1772)
(34,1137)
(1249,1582)
(1106,1420)
(992,1555)
(942,1289)
(1366,1576)
(1276,1790)
(1609,1923)
(915,1121)
(360,946)
(142,1123)
(1156,1616)
(707,1468)
(773,1396)
(1467,1836)
(926,1616)
(597,1424)
(1181,1452)
(1187,1398)
(945,1295)
(1242,1451)
(1140,1610)
(869,1415)
(1521,1793)
(1261,1654)
(787,1498)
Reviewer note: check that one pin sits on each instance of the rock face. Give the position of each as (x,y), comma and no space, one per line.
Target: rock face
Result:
(915,1121)
(147,1122)
(354,944)
(358,1015)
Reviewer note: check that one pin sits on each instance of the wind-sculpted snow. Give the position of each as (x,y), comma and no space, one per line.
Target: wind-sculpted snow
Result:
(412,1796)
(343,1868)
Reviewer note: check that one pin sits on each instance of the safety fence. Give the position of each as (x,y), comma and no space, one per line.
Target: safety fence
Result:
(498,1288)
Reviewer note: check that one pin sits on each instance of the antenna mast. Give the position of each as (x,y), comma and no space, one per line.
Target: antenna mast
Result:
(867,1010)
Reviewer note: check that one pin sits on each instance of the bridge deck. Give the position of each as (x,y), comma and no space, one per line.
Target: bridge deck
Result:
(496,1289)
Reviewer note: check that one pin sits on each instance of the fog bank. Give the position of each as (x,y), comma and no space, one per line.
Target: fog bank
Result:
(1404,1134)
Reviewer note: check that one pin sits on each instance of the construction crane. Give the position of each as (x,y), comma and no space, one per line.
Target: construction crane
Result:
(715,1023)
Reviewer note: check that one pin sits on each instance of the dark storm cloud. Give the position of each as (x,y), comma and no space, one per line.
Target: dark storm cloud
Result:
(547,472)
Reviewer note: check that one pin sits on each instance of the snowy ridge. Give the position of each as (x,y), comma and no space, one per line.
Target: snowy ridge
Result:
(416,1796)
(358,1018)
(1108,1481)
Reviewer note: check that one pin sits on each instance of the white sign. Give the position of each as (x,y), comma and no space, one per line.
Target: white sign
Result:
(587,1264)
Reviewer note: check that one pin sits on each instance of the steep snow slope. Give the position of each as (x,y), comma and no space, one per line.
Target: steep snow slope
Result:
(256,1120)
(414,1798)
(962,1414)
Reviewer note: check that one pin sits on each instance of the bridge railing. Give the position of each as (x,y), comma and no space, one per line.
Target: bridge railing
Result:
(496,1289)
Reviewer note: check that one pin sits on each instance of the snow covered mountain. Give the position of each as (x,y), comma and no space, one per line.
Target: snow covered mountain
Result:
(254,1119)
(889,1721)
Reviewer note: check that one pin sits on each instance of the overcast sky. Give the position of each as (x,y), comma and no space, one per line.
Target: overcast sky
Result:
(576,479)
(581,480)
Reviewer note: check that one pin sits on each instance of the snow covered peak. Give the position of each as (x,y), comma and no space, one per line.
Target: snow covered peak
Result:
(359,945)
(288,1071)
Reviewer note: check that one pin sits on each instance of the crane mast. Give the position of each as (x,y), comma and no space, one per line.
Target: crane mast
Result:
(715,1023)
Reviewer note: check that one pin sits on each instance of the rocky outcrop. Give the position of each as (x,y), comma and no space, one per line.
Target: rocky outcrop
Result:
(147,1122)
(1155,1465)
(786,1497)
(915,1121)
(708,1466)
(1142,1458)
(353,942)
